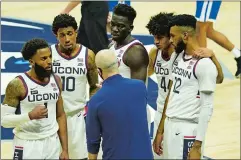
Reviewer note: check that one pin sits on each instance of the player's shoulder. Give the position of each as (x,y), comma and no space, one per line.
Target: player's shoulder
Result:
(205,62)
(17,85)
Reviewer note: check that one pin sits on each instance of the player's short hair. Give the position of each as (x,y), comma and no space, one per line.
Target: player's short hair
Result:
(30,47)
(63,21)
(183,20)
(125,11)
(159,24)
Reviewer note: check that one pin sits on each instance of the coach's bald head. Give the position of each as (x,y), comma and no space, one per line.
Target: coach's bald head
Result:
(107,63)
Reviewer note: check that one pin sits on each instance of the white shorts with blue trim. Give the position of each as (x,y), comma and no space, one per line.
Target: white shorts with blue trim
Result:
(207,11)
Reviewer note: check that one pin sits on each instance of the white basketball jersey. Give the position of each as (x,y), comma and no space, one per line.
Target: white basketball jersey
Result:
(123,68)
(162,70)
(38,93)
(73,73)
(184,100)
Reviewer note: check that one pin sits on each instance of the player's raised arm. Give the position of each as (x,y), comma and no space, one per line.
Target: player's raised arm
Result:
(92,73)
(137,59)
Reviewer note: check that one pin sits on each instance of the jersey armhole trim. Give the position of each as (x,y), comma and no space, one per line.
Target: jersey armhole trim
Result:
(56,81)
(86,58)
(194,69)
(25,86)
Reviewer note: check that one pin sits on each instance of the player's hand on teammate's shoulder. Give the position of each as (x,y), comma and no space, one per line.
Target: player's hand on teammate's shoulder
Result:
(39,112)
(203,53)
(99,85)
(64,155)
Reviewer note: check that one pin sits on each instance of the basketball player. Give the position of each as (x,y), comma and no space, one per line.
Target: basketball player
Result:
(75,64)
(206,14)
(33,106)
(190,98)
(158,26)
(131,54)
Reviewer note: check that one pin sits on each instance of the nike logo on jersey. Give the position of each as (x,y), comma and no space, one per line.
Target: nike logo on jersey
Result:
(177,134)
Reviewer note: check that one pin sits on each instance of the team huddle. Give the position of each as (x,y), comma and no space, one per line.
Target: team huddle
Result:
(47,105)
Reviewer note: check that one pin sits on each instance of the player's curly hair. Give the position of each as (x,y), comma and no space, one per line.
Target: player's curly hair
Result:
(30,47)
(159,24)
(183,20)
(63,21)
(125,11)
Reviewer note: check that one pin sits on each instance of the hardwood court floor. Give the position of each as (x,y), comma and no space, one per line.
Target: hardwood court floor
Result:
(223,136)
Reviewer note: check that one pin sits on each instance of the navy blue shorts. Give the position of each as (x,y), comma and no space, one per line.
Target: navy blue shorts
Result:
(207,11)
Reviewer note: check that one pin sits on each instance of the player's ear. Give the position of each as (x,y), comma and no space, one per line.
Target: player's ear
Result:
(185,36)
(131,27)
(31,62)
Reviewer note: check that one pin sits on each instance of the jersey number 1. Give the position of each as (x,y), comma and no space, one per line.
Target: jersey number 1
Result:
(68,83)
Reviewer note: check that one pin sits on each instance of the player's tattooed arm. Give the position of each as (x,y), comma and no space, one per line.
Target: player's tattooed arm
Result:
(137,59)
(62,122)
(92,74)
(152,57)
(14,91)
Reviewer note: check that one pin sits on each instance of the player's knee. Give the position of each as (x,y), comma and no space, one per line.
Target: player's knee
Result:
(210,31)
(201,27)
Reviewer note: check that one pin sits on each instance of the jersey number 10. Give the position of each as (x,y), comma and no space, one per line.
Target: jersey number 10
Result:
(68,83)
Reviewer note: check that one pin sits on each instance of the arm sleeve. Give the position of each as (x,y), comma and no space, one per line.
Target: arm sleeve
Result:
(93,128)
(206,74)
(205,114)
(9,119)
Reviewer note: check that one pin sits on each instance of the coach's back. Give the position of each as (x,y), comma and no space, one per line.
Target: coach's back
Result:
(120,106)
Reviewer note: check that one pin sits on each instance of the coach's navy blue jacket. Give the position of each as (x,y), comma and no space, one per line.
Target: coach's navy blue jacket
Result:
(117,113)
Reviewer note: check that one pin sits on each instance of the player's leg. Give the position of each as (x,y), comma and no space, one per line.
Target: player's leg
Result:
(27,149)
(201,11)
(201,28)
(172,140)
(178,139)
(77,136)
(82,36)
(52,147)
(96,31)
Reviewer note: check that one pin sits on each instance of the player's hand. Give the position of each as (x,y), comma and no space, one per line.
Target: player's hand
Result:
(203,53)
(40,111)
(99,85)
(157,144)
(64,155)
(194,153)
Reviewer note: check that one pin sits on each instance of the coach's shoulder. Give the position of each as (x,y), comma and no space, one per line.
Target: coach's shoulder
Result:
(135,82)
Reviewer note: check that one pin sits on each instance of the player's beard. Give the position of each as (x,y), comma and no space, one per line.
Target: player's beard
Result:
(41,72)
(180,46)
